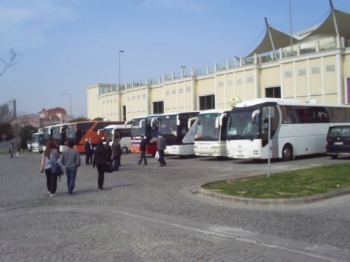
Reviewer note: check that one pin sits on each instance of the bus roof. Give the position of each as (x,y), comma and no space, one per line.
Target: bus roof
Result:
(209,111)
(118,126)
(281,101)
(178,113)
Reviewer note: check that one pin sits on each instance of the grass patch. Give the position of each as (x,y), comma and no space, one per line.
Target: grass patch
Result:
(291,184)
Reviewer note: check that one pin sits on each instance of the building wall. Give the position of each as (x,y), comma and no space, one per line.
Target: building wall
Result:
(320,76)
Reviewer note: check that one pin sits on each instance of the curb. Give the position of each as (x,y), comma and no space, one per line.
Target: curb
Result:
(270,202)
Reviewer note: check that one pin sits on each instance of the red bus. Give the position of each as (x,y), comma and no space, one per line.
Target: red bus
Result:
(146,126)
(79,131)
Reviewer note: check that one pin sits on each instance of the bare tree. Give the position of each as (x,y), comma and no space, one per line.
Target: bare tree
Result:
(12,61)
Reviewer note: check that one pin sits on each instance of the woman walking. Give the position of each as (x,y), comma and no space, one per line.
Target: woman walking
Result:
(100,161)
(50,155)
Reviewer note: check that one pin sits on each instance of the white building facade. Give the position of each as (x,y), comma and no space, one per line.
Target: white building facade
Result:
(316,66)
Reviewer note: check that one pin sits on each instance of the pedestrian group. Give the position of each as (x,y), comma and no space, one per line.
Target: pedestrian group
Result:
(104,157)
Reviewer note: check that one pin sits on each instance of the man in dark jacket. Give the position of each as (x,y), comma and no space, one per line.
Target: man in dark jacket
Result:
(100,161)
(161,145)
(88,152)
(108,150)
(143,144)
(116,153)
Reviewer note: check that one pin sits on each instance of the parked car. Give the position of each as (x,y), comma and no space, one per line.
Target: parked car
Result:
(338,141)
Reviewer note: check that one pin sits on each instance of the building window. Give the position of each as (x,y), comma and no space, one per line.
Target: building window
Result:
(330,68)
(288,74)
(158,107)
(250,79)
(273,92)
(315,70)
(124,113)
(206,102)
(301,72)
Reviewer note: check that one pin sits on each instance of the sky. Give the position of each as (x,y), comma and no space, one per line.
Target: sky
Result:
(64,46)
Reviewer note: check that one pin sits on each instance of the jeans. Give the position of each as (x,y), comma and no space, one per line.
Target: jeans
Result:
(116,160)
(71,173)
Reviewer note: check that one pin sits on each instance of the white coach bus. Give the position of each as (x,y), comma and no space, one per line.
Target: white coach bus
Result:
(120,132)
(297,128)
(37,141)
(175,128)
(211,133)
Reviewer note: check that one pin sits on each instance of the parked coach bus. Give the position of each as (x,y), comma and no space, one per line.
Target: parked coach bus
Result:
(211,133)
(37,141)
(174,127)
(120,132)
(56,133)
(144,126)
(297,128)
(79,131)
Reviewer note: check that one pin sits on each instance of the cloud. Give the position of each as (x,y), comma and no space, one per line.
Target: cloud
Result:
(23,23)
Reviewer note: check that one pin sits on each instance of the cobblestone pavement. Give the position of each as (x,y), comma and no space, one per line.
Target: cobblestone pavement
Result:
(147,213)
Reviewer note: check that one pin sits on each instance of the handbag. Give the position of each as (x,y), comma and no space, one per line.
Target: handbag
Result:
(109,167)
(156,155)
(56,169)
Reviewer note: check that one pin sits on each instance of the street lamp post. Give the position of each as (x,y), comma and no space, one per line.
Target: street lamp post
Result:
(70,101)
(183,70)
(120,51)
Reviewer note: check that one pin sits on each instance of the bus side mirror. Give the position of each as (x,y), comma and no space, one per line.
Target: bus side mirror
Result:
(141,123)
(191,121)
(254,115)
(217,122)
(155,122)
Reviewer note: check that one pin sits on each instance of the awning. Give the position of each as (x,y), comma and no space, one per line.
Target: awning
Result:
(280,40)
(326,29)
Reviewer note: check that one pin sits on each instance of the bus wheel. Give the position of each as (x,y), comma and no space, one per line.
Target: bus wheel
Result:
(125,150)
(334,156)
(287,153)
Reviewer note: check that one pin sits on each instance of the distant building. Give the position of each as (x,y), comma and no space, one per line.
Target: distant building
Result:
(26,120)
(53,116)
(45,117)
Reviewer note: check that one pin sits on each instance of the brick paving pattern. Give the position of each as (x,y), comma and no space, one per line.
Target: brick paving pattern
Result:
(150,214)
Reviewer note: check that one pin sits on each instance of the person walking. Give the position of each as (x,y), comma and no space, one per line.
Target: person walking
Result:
(143,145)
(71,161)
(49,156)
(11,149)
(161,145)
(116,153)
(87,152)
(90,152)
(108,148)
(100,161)
(18,149)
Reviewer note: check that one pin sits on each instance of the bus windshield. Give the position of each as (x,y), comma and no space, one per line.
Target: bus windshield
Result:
(167,124)
(208,127)
(244,123)
(138,127)
(37,138)
(76,131)
(109,132)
